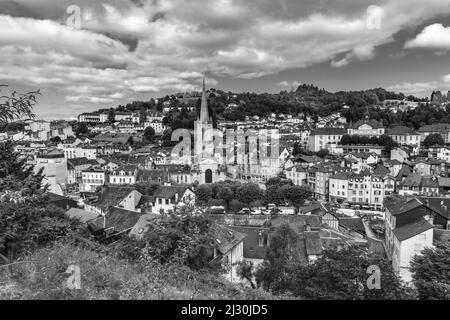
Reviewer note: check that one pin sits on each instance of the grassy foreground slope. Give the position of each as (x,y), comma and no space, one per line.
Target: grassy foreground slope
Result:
(104,276)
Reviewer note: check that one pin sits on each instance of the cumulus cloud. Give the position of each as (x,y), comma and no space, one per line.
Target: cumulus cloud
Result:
(422,89)
(435,37)
(141,47)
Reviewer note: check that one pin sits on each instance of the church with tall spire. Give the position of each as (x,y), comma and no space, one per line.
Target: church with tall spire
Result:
(207,166)
(204,116)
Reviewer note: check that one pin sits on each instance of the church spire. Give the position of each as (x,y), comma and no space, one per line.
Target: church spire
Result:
(204,114)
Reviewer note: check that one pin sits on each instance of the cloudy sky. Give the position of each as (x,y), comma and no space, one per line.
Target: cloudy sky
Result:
(116,51)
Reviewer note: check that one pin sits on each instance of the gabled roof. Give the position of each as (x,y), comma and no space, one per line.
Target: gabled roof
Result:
(252,249)
(226,238)
(328,131)
(402,207)
(168,192)
(438,127)
(152,175)
(80,161)
(412,229)
(112,196)
(352,223)
(440,205)
(117,219)
(401,131)
(381,171)
(81,215)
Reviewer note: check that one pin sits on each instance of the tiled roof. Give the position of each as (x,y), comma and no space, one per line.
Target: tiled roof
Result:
(328,131)
(117,218)
(112,196)
(152,175)
(412,229)
(402,207)
(352,223)
(440,205)
(401,130)
(252,250)
(226,238)
(438,127)
(168,192)
(82,215)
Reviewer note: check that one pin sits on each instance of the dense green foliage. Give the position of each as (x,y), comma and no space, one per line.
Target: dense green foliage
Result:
(431,272)
(433,139)
(337,274)
(176,240)
(104,276)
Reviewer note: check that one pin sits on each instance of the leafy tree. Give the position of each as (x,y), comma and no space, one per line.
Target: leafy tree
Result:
(245,271)
(249,192)
(17,105)
(433,139)
(295,195)
(203,193)
(13,126)
(111,115)
(56,139)
(176,240)
(226,194)
(80,129)
(430,272)
(273,194)
(322,153)
(282,253)
(149,134)
(296,149)
(130,141)
(342,275)
(28,225)
(17,178)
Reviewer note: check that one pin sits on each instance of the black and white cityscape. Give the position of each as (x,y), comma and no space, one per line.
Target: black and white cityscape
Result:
(254,150)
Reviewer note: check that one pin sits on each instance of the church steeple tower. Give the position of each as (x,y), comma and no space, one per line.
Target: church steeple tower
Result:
(204,114)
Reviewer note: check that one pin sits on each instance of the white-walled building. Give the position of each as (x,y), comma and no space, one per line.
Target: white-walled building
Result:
(92,179)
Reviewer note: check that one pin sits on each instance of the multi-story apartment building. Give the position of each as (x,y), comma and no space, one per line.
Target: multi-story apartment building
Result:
(408,230)
(439,128)
(75,167)
(365,188)
(123,116)
(297,174)
(404,136)
(92,179)
(321,138)
(318,179)
(93,117)
(80,151)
